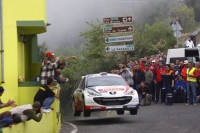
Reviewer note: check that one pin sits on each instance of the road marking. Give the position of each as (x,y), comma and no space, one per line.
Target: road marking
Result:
(75,130)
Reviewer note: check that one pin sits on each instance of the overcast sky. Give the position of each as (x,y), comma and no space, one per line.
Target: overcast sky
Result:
(68,17)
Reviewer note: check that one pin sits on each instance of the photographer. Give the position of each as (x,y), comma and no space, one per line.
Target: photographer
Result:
(180,89)
(127,75)
(144,94)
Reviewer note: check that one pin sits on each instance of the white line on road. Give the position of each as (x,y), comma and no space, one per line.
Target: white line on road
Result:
(75,130)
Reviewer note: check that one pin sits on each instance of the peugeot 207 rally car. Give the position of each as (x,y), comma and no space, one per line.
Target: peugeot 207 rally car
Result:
(100,92)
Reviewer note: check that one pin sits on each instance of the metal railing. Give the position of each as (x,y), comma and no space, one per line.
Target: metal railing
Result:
(194,34)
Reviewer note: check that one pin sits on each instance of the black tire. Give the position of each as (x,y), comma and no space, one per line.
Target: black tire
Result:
(133,111)
(85,112)
(76,113)
(120,112)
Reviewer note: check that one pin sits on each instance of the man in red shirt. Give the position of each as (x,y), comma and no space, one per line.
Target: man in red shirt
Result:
(184,70)
(158,79)
(143,65)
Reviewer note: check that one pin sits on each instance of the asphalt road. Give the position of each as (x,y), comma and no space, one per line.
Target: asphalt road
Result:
(156,118)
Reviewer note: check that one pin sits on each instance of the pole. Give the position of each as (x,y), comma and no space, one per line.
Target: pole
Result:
(177,32)
(125,58)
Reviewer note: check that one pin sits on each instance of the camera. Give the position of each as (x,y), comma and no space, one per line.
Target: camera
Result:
(179,87)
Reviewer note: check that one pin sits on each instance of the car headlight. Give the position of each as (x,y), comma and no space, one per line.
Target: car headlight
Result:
(130,92)
(93,93)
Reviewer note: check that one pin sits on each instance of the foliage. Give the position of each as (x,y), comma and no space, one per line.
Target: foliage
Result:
(42,49)
(195,4)
(186,16)
(158,36)
(95,41)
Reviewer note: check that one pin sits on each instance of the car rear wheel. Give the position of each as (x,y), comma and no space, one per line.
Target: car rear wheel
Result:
(75,112)
(133,111)
(85,112)
(120,112)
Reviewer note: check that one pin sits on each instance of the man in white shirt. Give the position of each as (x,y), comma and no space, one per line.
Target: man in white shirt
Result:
(189,43)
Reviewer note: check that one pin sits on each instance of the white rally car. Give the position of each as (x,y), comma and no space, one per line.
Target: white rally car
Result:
(99,92)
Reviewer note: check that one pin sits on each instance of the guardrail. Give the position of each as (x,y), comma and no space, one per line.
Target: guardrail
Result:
(194,34)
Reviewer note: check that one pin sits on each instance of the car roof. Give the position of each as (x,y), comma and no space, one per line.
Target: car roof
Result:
(102,74)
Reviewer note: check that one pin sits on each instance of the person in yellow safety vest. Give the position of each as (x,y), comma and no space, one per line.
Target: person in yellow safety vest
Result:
(192,80)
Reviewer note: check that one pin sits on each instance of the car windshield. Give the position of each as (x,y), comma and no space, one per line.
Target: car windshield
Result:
(105,81)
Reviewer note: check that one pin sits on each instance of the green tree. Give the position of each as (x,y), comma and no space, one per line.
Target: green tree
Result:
(195,4)
(186,16)
(42,49)
(148,40)
(94,41)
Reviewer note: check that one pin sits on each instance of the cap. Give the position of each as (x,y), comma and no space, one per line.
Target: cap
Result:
(185,62)
(49,53)
(1,89)
(153,61)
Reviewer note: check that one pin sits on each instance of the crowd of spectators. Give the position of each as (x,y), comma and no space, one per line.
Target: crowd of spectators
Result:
(51,78)
(175,82)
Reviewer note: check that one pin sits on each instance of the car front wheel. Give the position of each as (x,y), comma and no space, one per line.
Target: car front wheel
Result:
(75,112)
(120,112)
(85,112)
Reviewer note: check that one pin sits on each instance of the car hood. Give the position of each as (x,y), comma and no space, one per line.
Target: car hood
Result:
(111,90)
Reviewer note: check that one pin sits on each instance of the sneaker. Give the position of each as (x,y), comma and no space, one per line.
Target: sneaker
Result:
(195,104)
(49,110)
(187,104)
(46,111)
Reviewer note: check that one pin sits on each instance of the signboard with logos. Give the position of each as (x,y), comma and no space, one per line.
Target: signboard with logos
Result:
(119,39)
(114,20)
(118,29)
(128,47)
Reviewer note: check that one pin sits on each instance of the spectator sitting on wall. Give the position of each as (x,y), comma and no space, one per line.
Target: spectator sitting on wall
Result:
(50,64)
(27,111)
(9,103)
(58,78)
(6,119)
(62,63)
(46,96)
(48,67)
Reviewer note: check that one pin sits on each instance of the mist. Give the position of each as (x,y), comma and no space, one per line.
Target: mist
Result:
(68,17)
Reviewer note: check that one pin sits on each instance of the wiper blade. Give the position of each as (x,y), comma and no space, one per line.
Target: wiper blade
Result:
(91,85)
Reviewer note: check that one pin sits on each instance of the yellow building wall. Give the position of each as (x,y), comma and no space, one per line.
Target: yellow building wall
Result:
(44,126)
(17,10)
(17,63)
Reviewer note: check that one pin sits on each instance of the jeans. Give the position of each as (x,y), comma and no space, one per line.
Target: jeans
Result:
(47,102)
(153,90)
(182,92)
(140,97)
(191,86)
(137,87)
(157,87)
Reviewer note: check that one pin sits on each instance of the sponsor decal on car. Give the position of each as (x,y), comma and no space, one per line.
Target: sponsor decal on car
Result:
(111,89)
